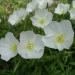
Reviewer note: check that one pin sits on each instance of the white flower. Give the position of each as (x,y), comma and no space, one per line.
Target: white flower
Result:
(17,16)
(50,2)
(30,45)
(31,6)
(62,8)
(0,20)
(72,14)
(8,46)
(35,4)
(59,35)
(72,11)
(38,4)
(41,4)
(42,18)
(73,3)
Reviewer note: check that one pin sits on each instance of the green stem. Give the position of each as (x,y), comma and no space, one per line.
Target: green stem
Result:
(16,66)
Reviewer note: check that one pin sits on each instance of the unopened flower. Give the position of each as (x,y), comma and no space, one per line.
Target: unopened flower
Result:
(42,18)
(72,11)
(72,14)
(59,35)
(8,46)
(17,16)
(30,45)
(0,20)
(73,3)
(50,2)
(41,4)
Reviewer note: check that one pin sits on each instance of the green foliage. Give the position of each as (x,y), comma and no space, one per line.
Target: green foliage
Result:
(52,63)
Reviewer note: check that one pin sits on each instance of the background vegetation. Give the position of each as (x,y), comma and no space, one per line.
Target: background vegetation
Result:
(52,63)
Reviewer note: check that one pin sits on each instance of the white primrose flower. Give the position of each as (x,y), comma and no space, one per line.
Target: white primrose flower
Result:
(58,35)
(62,8)
(50,2)
(72,14)
(42,18)
(17,16)
(41,4)
(73,3)
(72,11)
(31,6)
(31,46)
(38,4)
(8,46)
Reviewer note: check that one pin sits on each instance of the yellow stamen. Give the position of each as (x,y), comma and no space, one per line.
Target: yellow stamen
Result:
(41,21)
(30,46)
(13,47)
(63,12)
(60,39)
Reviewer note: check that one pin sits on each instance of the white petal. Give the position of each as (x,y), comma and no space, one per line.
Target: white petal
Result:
(50,2)
(62,8)
(68,31)
(60,47)
(13,19)
(42,4)
(7,55)
(42,14)
(72,14)
(5,46)
(73,3)
(28,35)
(38,49)
(33,55)
(68,43)
(67,28)
(52,28)
(39,44)
(10,38)
(49,41)
(31,6)
(17,16)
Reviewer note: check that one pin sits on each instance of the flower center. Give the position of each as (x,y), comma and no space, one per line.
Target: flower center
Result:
(60,39)
(13,47)
(41,21)
(30,46)
(63,12)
